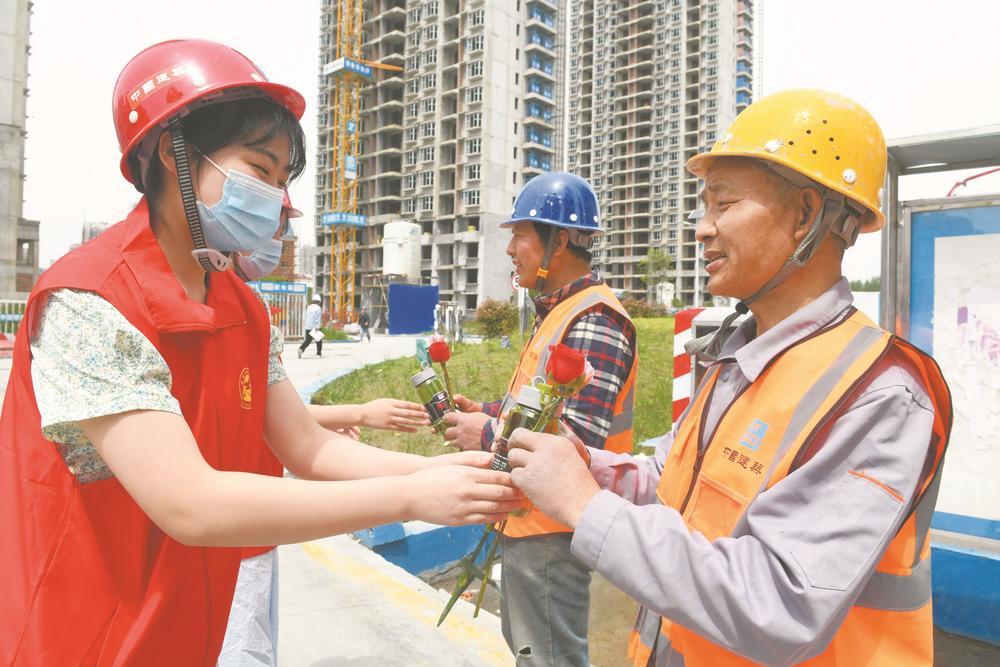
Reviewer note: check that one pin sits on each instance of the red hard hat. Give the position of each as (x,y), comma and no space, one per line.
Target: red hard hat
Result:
(167,77)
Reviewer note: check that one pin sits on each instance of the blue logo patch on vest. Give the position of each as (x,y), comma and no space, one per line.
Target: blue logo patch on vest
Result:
(754,435)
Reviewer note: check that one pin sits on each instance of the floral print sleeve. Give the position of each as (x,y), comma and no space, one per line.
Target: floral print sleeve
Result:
(89,361)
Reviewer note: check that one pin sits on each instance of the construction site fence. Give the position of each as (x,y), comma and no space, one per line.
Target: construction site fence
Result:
(287,313)
(11,312)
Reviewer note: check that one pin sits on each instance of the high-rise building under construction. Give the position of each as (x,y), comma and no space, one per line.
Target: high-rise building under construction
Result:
(651,83)
(448,141)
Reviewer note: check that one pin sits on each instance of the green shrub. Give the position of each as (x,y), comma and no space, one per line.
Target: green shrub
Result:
(497,318)
(639,308)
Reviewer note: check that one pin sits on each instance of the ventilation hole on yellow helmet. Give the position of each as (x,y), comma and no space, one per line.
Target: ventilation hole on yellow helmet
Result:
(837,157)
(791,143)
(809,131)
(831,138)
(814,151)
(824,121)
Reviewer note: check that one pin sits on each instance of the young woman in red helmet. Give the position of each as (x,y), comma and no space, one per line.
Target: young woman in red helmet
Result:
(136,446)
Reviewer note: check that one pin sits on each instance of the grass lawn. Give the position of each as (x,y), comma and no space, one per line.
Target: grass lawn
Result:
(482,372)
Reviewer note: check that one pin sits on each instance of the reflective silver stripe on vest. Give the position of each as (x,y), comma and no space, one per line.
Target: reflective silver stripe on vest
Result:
(894,592)
(924,513)
(623,422)
(820,391)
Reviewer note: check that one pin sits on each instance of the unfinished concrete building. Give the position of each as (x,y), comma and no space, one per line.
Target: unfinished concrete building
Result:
(448,142)
(18,237)
(651,83)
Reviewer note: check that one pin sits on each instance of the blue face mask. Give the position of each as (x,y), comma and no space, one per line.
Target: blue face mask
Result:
(260,263)
(247,216)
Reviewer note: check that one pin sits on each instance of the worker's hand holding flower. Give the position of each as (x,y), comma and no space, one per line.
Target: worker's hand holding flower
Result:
(550,470)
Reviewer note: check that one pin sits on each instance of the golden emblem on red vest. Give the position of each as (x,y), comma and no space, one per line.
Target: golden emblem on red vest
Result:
(245,393)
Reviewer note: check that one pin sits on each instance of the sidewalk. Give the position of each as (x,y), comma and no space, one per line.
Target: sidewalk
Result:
(342,604)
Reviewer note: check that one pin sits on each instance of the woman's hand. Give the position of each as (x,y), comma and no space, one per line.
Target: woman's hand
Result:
(457,495)
(389,414)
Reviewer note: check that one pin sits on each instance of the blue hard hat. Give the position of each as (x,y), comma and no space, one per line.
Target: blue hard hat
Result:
(560,199)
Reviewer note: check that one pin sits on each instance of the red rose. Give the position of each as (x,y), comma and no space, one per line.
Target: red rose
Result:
(565,365)
(439,351)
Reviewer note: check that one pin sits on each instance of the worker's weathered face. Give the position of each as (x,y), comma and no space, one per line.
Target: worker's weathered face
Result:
(749,228)
(526,251)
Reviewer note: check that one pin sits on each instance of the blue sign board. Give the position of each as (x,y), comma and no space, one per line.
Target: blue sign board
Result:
(353,219)
(265,286)
(350,167)
(351,126)
(347,65)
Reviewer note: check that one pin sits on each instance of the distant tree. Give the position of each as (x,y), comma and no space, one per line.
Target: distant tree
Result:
(497,318)
(873,284)
(655,267)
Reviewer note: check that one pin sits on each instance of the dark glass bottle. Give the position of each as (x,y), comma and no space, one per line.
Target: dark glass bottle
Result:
(524,414)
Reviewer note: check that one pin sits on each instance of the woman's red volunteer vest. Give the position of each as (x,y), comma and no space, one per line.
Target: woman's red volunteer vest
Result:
(89,579)
(552,330)
(796,398)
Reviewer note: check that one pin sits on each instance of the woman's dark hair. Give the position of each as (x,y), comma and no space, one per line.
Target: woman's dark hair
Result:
(545,231)
(251,122)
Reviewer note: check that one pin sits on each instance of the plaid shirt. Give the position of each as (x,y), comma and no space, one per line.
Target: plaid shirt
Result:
(608,341)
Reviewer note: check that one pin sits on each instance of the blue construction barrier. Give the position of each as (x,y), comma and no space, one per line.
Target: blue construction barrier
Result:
(411,308)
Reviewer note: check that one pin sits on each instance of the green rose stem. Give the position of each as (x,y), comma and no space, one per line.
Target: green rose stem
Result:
(487,566)
(465,579)
(447,383)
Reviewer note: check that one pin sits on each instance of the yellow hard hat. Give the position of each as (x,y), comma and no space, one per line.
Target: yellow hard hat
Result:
(824,136)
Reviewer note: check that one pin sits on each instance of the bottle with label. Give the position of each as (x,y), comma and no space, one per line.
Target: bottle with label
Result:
(524,414)
(434,396)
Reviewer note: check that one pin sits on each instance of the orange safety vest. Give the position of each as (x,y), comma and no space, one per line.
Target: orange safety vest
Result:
(797,396)
(552,330)
(89,578)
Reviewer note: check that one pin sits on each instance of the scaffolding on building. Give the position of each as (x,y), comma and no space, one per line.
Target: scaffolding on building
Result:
(350,72)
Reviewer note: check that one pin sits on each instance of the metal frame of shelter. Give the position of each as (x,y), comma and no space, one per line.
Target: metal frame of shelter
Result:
(925,154)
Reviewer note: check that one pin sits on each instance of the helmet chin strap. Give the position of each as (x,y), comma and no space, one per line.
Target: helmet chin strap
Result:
(209,258)
(837,215)
(543,269)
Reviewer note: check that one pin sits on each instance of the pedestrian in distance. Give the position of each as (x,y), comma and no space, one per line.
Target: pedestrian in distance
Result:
(365,323)
(545,589)
(311,322)
(785,519)
(142,440)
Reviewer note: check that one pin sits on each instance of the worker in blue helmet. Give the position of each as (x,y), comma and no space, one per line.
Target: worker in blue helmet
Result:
(546,590)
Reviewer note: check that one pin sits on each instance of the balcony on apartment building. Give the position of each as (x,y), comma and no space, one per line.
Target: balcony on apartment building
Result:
(538,113)
(540,41)
(540,19)
(540,66)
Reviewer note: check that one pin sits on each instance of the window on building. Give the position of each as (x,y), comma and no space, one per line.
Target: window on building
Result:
(477,18)
(411,158)
(427,154)
(474,120)
(430,56)
(409,181)
(473,172)
(412,109)
(473,146)
(409,205)
(426,178)
(413,62)
(473,95)
(431,32)
(474,43)
(470,197)
(474,69)
(411,133)
(427,203)
(431,8)
(413,39)
(430,105)
(429,81)
(413,85)
(428,130)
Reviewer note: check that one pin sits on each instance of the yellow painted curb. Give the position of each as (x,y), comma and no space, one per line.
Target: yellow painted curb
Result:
(487,646)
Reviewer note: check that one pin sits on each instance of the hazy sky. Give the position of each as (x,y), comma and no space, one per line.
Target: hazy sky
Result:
(919,66)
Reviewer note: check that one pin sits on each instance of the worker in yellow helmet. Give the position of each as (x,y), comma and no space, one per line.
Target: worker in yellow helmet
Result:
(786,517)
